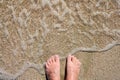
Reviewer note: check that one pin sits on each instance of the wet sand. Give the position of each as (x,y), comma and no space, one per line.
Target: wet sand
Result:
(33,30)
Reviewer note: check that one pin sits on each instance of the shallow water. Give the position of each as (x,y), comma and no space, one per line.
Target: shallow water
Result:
(33,30)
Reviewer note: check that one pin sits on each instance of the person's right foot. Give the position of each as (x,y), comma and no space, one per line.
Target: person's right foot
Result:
(72,68)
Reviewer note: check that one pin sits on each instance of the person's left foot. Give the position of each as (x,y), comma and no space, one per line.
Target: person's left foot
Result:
(52,68)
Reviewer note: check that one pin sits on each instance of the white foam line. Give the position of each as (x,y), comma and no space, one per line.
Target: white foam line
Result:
(6,31)
(26,66)
(41,66)
(13,12)
(23,45)
(87,35)
(5,75)
(98,3)
(46,2)
(106,30)
(1,1)
(118,1)
(22,21)
(93,49)
(105,14)
(56,13)
(109,46)
(19,32)
(44,26)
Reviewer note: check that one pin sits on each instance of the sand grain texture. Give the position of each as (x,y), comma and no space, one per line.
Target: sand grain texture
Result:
(33,30)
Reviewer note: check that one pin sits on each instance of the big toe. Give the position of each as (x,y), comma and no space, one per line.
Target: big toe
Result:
(69,58)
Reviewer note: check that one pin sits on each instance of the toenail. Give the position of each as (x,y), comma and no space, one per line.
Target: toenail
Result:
(69,55)
(56,55)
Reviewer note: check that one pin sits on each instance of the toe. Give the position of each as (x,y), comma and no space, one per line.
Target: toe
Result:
(46,65)
(47,61)
(69,58)
(73,58)
(53,59)
(56,58)
(50,60)
(79,63)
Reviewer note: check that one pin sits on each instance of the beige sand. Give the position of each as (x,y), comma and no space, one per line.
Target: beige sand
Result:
(33,30)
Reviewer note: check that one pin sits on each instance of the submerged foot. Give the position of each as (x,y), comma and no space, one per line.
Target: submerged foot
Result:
(72,68)
(52,68)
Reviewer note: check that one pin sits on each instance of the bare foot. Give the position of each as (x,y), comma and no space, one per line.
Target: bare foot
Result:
(72,68)
(53,68)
